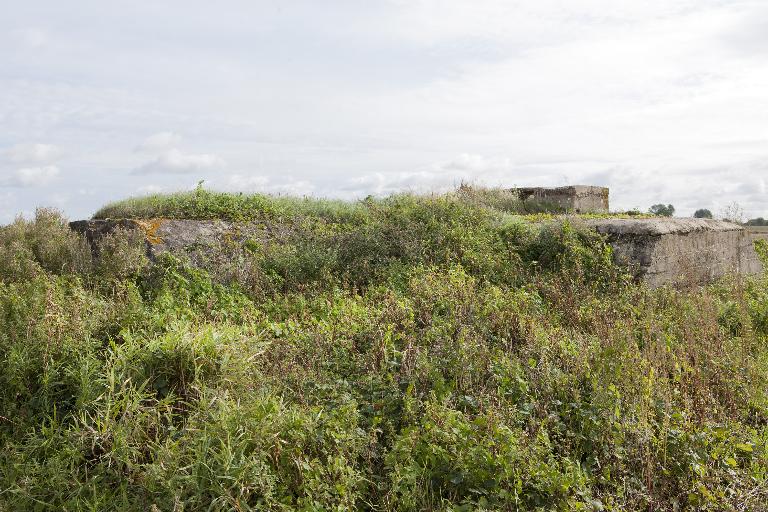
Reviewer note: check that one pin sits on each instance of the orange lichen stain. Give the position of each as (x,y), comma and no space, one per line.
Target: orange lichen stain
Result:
(150,228)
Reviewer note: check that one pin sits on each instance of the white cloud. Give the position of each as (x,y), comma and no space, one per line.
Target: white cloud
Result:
(539,22)
(32,153)
(663,100)
(31,177)
(293,188)
(437,177)
(159,141)
(30,37)
(174,161)
(29,165)
(380,183)
(259,183)
(150,189)
(246,183)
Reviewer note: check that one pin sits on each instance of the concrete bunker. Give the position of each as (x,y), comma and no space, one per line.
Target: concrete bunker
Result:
(658,250)
(680,250)
(571,199)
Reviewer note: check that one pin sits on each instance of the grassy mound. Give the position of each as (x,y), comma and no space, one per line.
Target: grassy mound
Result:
(431,353)
(205,204)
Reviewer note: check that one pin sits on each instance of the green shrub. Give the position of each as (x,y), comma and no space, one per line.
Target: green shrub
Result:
(204,204)
(43,244)
(48,345)
(122,255)
(405,353)
(450,460)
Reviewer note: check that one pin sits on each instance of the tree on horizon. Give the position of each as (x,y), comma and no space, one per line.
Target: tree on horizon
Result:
(662,210)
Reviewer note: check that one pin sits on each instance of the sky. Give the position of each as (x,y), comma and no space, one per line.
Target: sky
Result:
(661,100)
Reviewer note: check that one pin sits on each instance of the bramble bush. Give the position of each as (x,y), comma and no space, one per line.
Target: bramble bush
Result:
(410,353)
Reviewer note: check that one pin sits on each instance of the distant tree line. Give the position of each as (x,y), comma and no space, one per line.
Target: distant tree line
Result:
(662,210)
(733,214)
(702,213)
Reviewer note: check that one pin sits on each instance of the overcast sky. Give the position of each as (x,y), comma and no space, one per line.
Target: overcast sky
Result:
(662,100)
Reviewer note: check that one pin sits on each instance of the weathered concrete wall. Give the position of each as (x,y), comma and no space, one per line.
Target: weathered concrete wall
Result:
(179,236)
(574,199)
(681,251)
(659,250)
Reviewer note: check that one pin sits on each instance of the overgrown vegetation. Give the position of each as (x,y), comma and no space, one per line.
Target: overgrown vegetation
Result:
(206,204)
(411,353)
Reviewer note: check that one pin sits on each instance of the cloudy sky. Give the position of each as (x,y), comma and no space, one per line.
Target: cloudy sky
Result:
(662,100)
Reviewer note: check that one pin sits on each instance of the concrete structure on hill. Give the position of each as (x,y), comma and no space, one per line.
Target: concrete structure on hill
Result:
(659,250)
(181,237)
(681,251)
(571,199)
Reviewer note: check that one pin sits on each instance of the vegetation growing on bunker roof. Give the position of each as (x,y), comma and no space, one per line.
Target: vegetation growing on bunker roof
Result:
(206,204)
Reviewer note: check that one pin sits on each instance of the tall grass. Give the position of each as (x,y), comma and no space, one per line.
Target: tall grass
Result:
(205,204)
(408,354)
